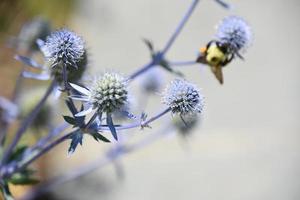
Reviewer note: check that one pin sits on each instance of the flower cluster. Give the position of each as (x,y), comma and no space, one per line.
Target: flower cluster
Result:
(183,97)
(234,32)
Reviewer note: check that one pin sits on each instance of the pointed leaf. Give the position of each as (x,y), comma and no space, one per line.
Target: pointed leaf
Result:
(80,89)
(76,138)
(84,112)
(165,64)
(16,155)
(71,107)
(22,179)
(150,46)
(41,77)
(79,98)
(98,136)
(70,120)
(56,92)
(111,126)
(28,61)
(224,4)
(40,43)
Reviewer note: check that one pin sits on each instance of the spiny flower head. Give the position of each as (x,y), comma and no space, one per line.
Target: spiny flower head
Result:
(63,47)
(234,32)
(107,93)
(183,97)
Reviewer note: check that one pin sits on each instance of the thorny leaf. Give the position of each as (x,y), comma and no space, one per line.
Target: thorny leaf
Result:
(23,178)
(224,4)
(150,46)
(98,136)
(76,138)
(28,61)
(18,152)
(111,126)
(78,121)
(70,120)
(31,75)
(165,64)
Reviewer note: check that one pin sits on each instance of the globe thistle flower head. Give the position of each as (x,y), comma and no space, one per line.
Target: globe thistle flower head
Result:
(63,47)
(234,32)
(183,97)
(107,93)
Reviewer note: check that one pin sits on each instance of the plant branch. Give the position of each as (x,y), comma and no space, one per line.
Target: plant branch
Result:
(111,155)
(26,123)
(139,124)
(157,59)
(26,162)
(182,63)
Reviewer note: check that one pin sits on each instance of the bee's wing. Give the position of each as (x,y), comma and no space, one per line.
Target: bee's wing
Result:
(217,70)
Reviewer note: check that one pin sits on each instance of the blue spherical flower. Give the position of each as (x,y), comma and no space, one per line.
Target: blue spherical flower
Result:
(183,97)
(63,47)
(234,32)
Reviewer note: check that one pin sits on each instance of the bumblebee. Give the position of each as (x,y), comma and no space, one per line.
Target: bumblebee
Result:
(216,55)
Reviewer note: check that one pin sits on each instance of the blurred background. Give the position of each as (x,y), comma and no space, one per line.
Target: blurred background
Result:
(247,145)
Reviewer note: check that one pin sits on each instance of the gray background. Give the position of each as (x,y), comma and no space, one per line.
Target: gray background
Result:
(248,144)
